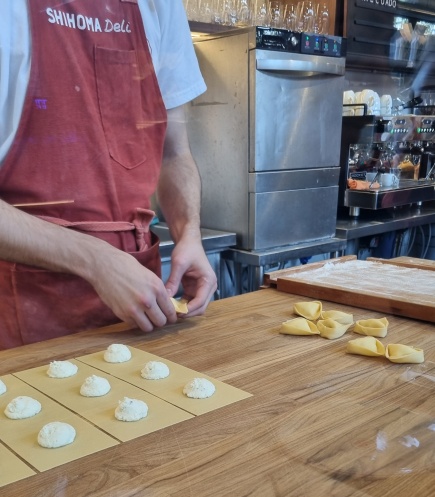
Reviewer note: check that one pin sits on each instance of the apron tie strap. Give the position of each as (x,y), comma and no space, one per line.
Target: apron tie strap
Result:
(141,224)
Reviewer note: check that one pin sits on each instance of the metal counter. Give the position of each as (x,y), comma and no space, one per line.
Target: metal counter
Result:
(370,223)
(220,245)
(255,261)
(249,266)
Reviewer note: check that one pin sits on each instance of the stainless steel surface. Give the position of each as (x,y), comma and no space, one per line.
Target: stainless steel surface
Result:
(299,63)
(291,216)
(283,254)
(263,141)
(249,266)
(371,223)
(211,239)
(291,112)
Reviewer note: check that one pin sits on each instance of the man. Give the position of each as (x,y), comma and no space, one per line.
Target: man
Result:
(91,124)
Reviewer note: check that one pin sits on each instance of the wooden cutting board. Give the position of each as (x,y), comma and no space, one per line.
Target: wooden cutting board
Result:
(403,288)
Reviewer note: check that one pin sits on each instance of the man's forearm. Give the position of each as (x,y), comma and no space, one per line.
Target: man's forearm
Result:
(179,188)
(28,240)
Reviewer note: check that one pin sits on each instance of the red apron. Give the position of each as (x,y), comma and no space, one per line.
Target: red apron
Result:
(92,130)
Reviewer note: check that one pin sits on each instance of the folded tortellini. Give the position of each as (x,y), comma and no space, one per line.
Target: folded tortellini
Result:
(339,316)
(404,354)
(372,327)
(308,310)
(299,326)
(368,346)
(331,329)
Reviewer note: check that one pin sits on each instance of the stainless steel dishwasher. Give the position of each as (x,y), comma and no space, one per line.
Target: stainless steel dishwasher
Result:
(266,134)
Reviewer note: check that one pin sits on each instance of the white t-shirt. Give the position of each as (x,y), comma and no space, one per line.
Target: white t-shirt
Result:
(169,39)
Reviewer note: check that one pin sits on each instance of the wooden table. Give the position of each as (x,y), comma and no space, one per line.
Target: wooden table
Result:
(320,422)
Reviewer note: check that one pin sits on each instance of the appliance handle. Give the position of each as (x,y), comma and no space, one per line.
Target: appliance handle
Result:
(301,66)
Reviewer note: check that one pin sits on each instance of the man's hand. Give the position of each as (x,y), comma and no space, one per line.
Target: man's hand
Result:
(191,268)
(135,294)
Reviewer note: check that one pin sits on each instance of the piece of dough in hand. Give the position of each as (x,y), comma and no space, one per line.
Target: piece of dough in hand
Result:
(372,327)
(404,354)
(299,326)
(368,346)
(180,305)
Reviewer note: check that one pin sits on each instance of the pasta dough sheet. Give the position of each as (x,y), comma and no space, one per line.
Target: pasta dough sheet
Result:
(21,435)
(101,410)
(12,467)
(169,389)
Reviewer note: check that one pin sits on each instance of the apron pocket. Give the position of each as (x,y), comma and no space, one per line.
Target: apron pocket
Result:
(119,98)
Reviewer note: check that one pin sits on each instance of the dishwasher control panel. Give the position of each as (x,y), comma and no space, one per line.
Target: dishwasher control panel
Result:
(269,38)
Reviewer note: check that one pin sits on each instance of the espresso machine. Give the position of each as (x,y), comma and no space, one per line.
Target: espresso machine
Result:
(403,145)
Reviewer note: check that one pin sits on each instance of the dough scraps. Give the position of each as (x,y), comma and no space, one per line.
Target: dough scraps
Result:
(199,388)
(131,410)
(155,370)
(117,353)
(299,326)
(372,327)
(22,407)
(331,329)
(308,310)
(2,388)
(339,316)
(56,434)
(62,369)
(180,305)
(368,346)
(94,386)
(404,354)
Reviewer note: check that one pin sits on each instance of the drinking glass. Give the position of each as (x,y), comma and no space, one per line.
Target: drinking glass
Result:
(217,12)
(276,14)
(205,10)
(290,17)
(323,15)
(230,12)
(300,8)
(243,13)
(261,13)
(192,9)
(309,16)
